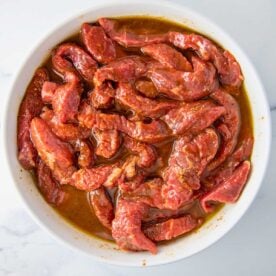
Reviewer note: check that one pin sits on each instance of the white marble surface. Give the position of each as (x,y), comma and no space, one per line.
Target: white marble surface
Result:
(249,249)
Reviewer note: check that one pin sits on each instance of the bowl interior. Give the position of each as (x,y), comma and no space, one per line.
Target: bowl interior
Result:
(105,251)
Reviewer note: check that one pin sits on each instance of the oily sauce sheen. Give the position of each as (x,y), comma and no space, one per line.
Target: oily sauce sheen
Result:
(77,209)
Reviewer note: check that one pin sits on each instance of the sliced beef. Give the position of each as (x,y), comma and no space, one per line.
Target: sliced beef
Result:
(148,192)
(108,142)
(129,170)
(97,43)
(226,65)
(86,157)
(48,186)
(159,107)
(243,151)
(147,88)
(66,98)
(48,90)
(146,153)
(142,106)
(171,228)
(186,86)
(94,178)
(102,206)
(125,69)
(187,162)
(109,175)
(190,158)
(126,227)
(152,132)
(30,107)
(229,190)
(66,132)
(224,171)
(167,56)
(69,57)
(155,215)
(193,117)
(126,185)
(102,96)
(228,126)
(56,154)
(126,38)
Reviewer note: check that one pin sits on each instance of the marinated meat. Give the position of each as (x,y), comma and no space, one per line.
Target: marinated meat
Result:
(125,69)
(224,171)
(126,226)
(48,186)
(97,43)
(226,65)
(94,178)
(193,117)
(137,118)
(128,97)
(229,190)
(30,107)
(129,170)
(171,228)
(57,155)
(155,215)
(228,127)
(190,157)
(151,133)
(108,142)
(167,56)
(136,178)
(102,96)
(146,153)
(86,154)
(69,57)
(243,151)
(66,132)
(66,99)
(102,206)
(185,166)
(148,192)
(109,175)
(128,39)
(147,88)
(48,90)
(185,86)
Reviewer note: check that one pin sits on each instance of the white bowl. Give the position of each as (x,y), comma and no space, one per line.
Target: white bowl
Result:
(98,249)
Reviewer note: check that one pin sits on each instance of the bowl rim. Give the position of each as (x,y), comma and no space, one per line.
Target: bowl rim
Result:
(60,25)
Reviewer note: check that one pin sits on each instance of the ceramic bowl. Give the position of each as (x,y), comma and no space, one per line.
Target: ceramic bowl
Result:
(108,252)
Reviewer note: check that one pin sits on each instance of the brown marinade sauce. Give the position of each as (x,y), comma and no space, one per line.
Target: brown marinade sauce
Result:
(76,209)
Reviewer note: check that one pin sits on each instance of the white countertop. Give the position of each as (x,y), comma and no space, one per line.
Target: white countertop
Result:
(249,249)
